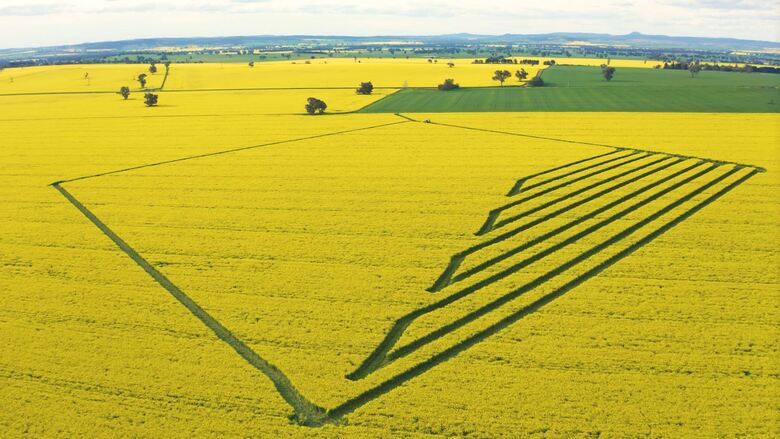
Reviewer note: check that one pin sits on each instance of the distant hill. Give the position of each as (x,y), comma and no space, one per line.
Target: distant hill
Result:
(632,40)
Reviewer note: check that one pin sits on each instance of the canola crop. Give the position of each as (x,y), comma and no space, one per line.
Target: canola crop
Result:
(319,73)
(83,78)
(308,237)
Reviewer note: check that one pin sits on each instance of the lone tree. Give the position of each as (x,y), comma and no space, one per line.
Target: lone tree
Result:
(125,92)
(607,72)
(450,64)
(501,76)
(694,68)
(150,99)
(251,63)
(167,65)
(142,80)
(366,88)
(448,84)
(521,74)
(315,106)
(152,68)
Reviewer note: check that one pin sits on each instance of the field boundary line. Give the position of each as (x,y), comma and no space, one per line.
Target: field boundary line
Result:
(225,151)
(403,116)
(165,78)
(307,412)
(554,139)
(195,90)
(45,93)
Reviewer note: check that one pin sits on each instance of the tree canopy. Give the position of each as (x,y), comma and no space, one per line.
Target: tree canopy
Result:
(150,99)
(501,76)
(315,106)
(607,71)
(366,88)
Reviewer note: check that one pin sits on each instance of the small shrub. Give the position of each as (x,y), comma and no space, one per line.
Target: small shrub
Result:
(448,84)
(125,92)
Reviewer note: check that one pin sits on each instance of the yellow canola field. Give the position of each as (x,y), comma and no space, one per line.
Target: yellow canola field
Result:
(637,63)
(309,250)
(330,225)
(695,134)
(320,73)
(183,104)
(336,72)
(92,351)
(84,78)
(317,73)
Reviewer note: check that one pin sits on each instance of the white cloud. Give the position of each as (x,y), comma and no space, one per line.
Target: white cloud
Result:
(50,22)
(28,9)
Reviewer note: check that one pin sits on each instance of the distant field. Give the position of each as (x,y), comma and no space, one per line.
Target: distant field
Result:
(334,73)
(577,88)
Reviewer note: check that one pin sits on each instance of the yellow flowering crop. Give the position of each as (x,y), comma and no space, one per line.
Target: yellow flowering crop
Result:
(307,238)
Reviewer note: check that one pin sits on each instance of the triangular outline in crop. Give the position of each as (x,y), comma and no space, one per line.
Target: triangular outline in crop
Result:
(308,413)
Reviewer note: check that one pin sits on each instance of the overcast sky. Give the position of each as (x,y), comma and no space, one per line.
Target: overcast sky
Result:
(51,22)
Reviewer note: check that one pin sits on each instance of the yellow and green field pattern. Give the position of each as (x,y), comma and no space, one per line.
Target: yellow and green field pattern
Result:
(546,276)
(231,273)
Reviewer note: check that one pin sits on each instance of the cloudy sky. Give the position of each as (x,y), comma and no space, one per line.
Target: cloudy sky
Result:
(50,22)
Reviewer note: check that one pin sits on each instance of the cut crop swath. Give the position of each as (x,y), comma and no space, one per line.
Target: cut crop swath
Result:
(584,216)
(599,193)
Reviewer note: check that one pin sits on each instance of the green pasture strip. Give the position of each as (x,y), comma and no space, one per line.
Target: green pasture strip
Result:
(576,88)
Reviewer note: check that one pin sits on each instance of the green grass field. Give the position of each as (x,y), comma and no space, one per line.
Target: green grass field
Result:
(570,88)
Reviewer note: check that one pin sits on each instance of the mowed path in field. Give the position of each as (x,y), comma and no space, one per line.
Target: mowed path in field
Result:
(609,342)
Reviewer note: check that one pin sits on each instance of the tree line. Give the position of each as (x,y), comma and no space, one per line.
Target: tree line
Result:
(747,68)
(504,60)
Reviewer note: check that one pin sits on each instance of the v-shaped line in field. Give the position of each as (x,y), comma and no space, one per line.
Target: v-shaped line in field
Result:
(710,180)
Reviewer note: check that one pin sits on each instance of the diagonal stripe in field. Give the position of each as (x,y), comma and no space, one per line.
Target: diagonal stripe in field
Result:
(666,188)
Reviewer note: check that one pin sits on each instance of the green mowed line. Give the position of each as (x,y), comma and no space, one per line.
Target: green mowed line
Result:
(570,88)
